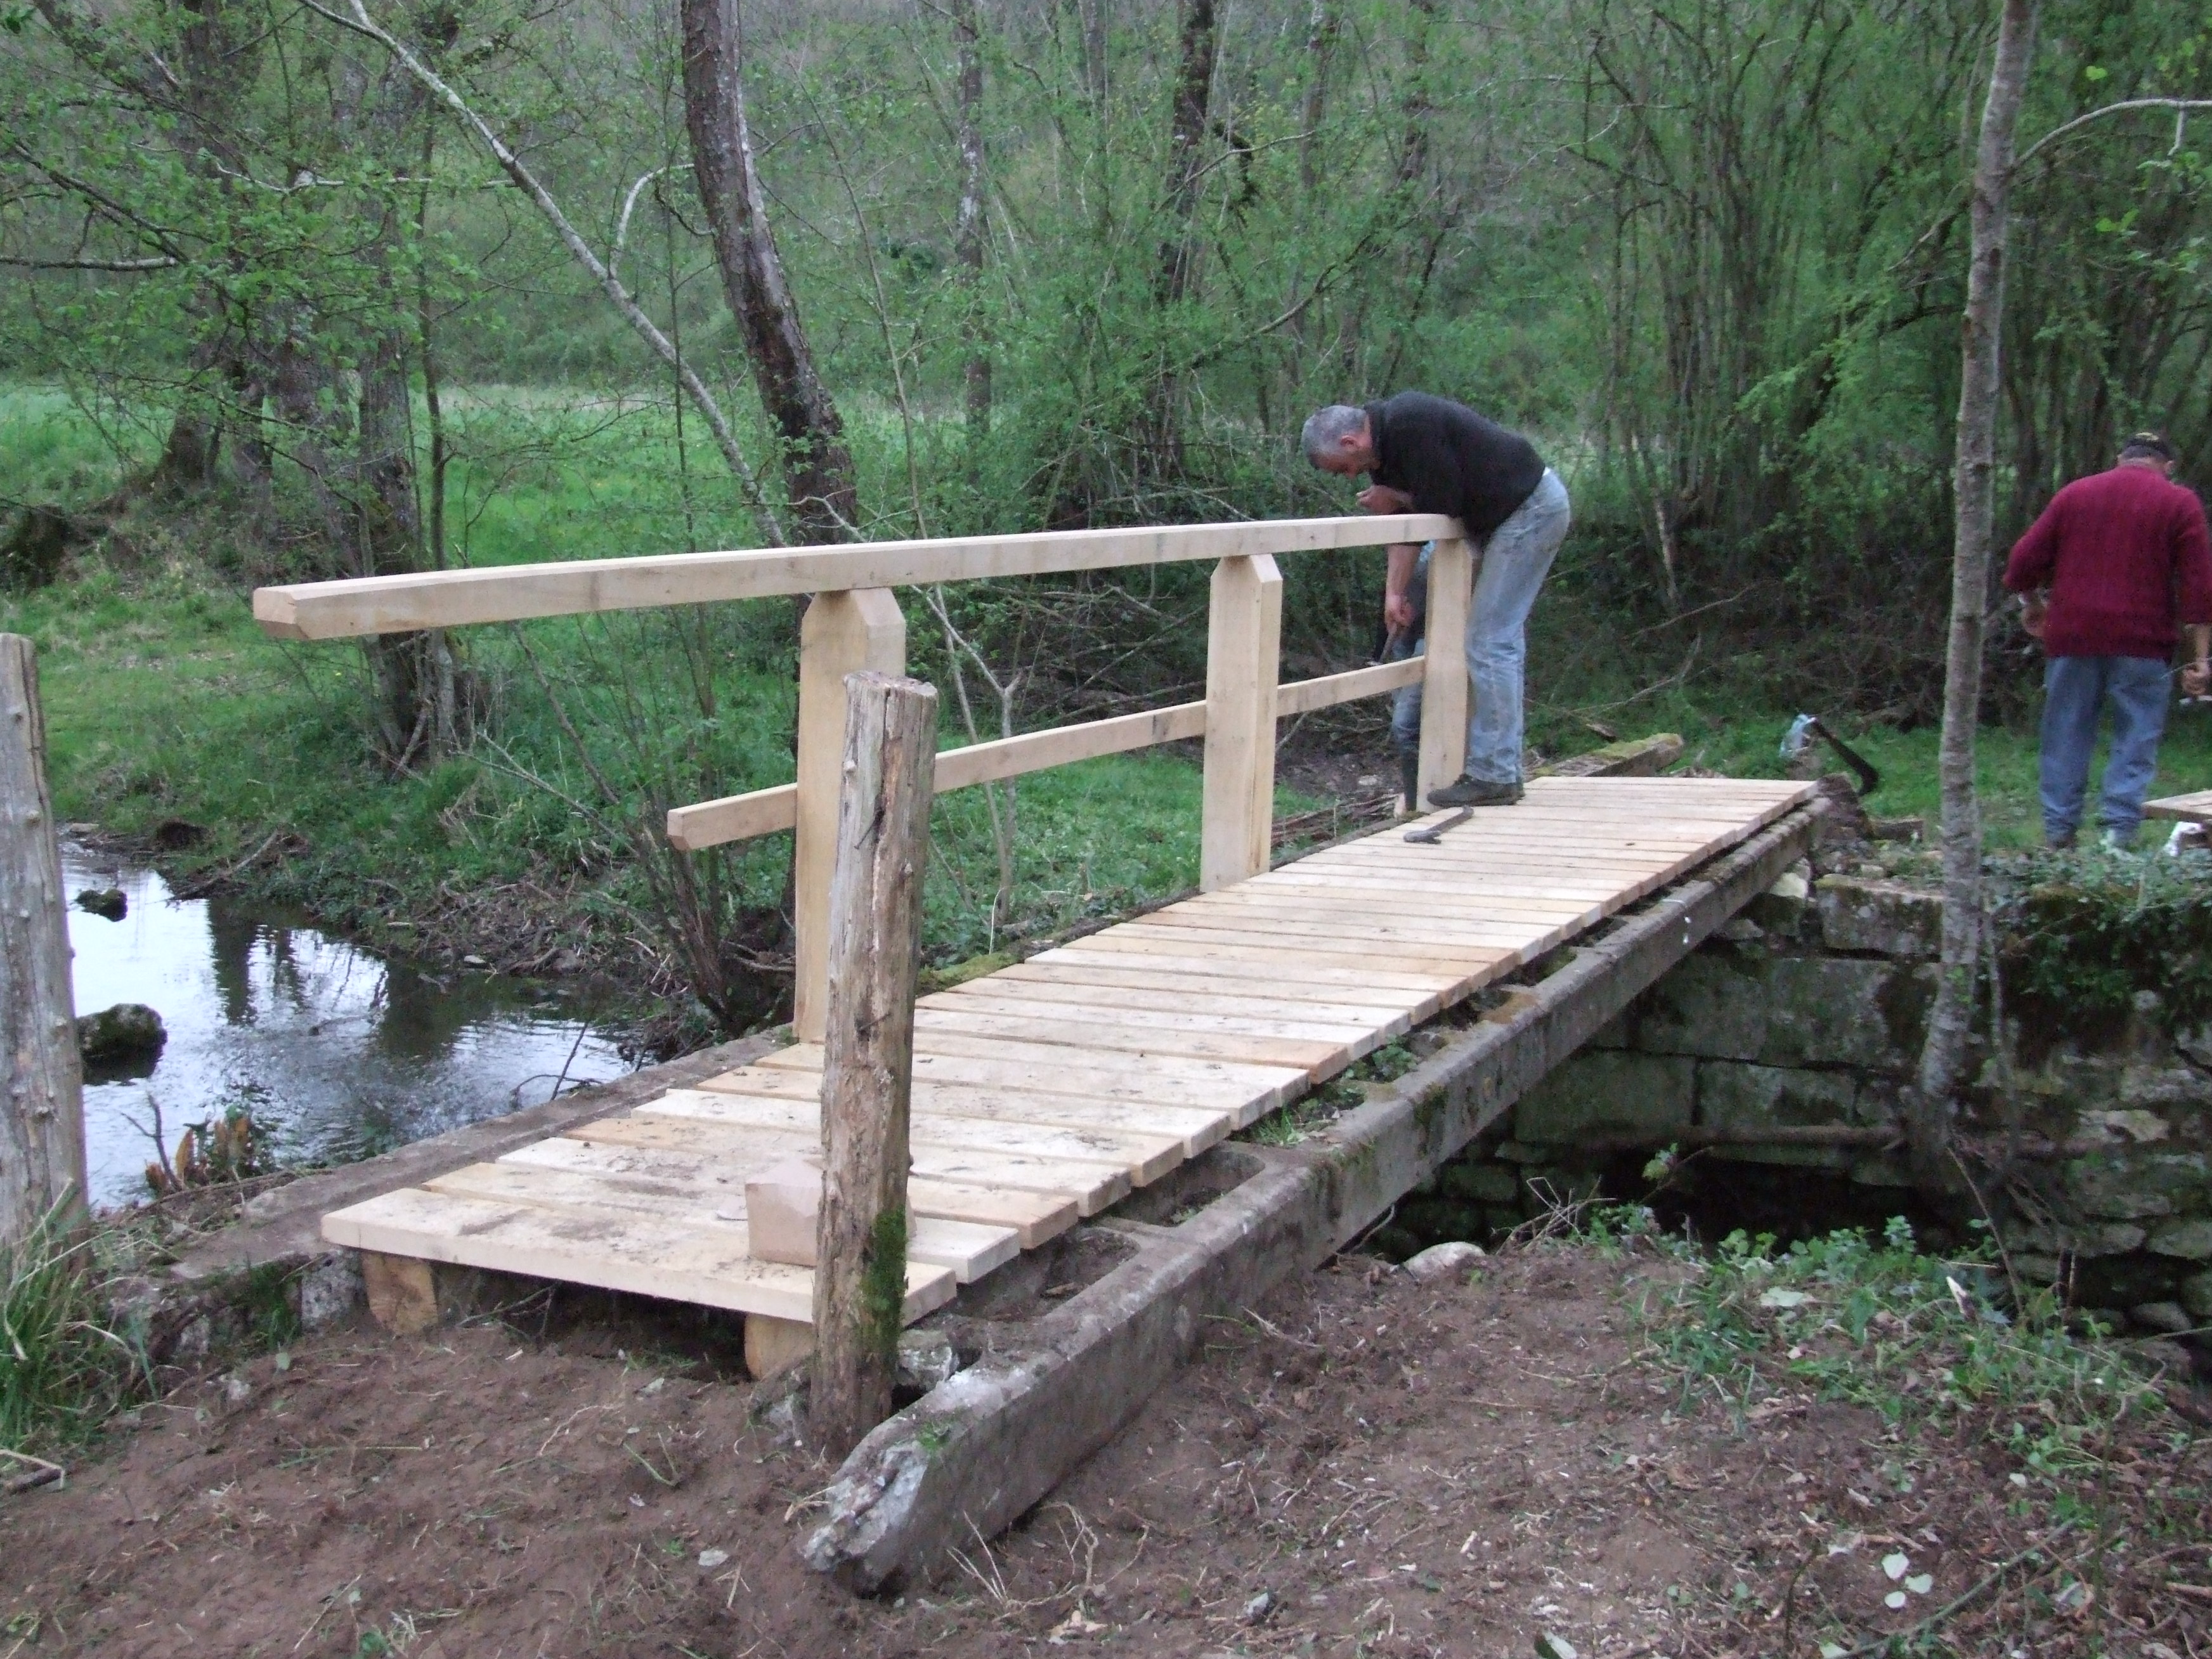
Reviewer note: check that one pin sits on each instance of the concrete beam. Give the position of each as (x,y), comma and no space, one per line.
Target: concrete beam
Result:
(983,1447)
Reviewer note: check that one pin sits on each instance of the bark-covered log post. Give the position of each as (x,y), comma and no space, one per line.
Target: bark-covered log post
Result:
(42,1105)
(875,951)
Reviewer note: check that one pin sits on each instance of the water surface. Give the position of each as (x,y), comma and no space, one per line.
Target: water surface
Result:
(338,1051)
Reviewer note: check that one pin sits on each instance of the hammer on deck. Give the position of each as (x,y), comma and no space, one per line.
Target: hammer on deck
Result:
(1430,834)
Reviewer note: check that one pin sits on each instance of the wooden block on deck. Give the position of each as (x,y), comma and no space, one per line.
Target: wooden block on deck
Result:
(783,1209)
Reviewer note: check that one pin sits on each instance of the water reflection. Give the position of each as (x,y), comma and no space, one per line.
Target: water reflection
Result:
(338,1051)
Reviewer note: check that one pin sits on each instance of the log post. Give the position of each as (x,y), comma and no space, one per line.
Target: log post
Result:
(841,633)
(1443,681)
(875,948)
(42,1108)
(1244,641)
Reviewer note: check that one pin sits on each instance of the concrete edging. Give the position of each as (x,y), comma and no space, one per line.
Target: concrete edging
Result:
(974,1454)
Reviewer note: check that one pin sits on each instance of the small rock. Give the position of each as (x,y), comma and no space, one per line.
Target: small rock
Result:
(1555,1647)
(1257,1609)
(1446,1260)
(1741,930)
(108,902)
(126,1030)
(472,960)
(926,1359)
(710,1559)
(2168,1316)
(236,1389)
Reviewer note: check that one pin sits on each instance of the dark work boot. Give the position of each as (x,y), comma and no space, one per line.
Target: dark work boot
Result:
(1476,792)
(1409,781)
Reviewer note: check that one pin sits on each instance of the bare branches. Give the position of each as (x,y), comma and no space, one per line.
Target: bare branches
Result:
(2180,106)
(527,181)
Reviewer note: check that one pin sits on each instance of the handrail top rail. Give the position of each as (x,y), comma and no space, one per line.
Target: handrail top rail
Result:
(449,599)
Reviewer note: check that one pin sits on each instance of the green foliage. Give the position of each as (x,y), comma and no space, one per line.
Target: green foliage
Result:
(1921,1340)
(62,1371)
(2082,934)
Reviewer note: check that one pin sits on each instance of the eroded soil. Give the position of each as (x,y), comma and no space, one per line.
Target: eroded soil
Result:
(1367,1465)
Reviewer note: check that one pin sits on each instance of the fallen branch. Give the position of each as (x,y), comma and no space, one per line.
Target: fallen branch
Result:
(42,1473)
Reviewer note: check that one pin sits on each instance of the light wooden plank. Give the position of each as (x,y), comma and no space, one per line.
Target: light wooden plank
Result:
(1302,970)
(1151,995)
(1094,1186)
(1305,697)
(1243,641)
(454,598)
(1444,687)
(1317,1059)
(1196,1127)
(1331,943)
(1169,941)
(2195,808)
(631,1253)
(1072,973)
(1118,1074)
(969,1250)
(1036,1217)
(1336,919)
(1146,1157)
(1009,999)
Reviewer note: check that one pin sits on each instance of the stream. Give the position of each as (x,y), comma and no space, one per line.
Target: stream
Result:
(338,1053)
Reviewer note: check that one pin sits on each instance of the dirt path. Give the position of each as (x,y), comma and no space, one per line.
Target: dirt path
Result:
(1374,1466)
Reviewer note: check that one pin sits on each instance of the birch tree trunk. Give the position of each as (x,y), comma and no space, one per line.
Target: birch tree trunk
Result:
(816,464)
(1943,1055)
(42,1103)
(972,233)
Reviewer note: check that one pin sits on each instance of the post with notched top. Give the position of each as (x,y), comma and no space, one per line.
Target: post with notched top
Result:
(874,952)
(42,1107)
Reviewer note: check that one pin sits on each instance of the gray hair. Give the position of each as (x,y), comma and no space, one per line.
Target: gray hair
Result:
(1326,429)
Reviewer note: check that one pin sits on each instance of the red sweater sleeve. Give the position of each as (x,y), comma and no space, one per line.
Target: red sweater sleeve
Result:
(2035,554)
(2192,558)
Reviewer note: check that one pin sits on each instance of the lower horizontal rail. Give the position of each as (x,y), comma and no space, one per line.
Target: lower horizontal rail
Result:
(764,811)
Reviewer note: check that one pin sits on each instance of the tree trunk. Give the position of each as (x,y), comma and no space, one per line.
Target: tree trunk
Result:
(867,1074)
(1943,1055)
(972,234)
(817,466)
(1161,445)
(1321,30)
(42,1107)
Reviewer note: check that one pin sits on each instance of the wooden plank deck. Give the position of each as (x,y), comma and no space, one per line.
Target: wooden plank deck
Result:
(1049,1090)
(2195,808)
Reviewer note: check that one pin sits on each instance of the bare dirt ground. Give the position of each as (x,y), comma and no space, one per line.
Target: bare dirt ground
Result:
(1366,1465)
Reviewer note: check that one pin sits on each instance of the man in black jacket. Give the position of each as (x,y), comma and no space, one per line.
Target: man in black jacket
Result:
(1429,454)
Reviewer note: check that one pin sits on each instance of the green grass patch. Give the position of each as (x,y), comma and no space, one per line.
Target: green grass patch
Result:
(62,1371)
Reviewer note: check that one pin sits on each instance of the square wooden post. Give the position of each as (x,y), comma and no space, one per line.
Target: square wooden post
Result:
(867,1077)
(1445,689)
(41,1079)
(1244,641)
(841,633)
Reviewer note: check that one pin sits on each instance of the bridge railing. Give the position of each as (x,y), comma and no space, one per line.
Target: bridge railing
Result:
(854,622)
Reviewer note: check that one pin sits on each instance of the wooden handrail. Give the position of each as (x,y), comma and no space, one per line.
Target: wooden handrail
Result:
(765,812)
(452,599)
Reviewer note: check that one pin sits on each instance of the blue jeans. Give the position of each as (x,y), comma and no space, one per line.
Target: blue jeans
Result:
(1513,563)
(2075,691)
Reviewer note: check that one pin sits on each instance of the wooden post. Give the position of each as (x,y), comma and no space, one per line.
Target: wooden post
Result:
(875,939)
(1443,683)
(42,1107)
(841,633)
(1243,638)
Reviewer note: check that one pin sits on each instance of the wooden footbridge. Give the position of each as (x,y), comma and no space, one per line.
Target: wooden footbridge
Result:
(1049,1090)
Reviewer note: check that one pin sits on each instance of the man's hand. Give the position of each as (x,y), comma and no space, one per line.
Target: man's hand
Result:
(2033,609)
(2197,679)
(1397,612)
(1381,498)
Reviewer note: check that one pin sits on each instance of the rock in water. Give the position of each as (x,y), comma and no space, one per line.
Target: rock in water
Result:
(125,1031)
(108,902)
(1445,1260)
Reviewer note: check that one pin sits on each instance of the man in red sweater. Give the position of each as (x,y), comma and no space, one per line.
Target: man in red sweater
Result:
(2116,561)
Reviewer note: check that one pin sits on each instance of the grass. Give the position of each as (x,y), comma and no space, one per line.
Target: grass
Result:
(63,1372)
(1981,1388)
